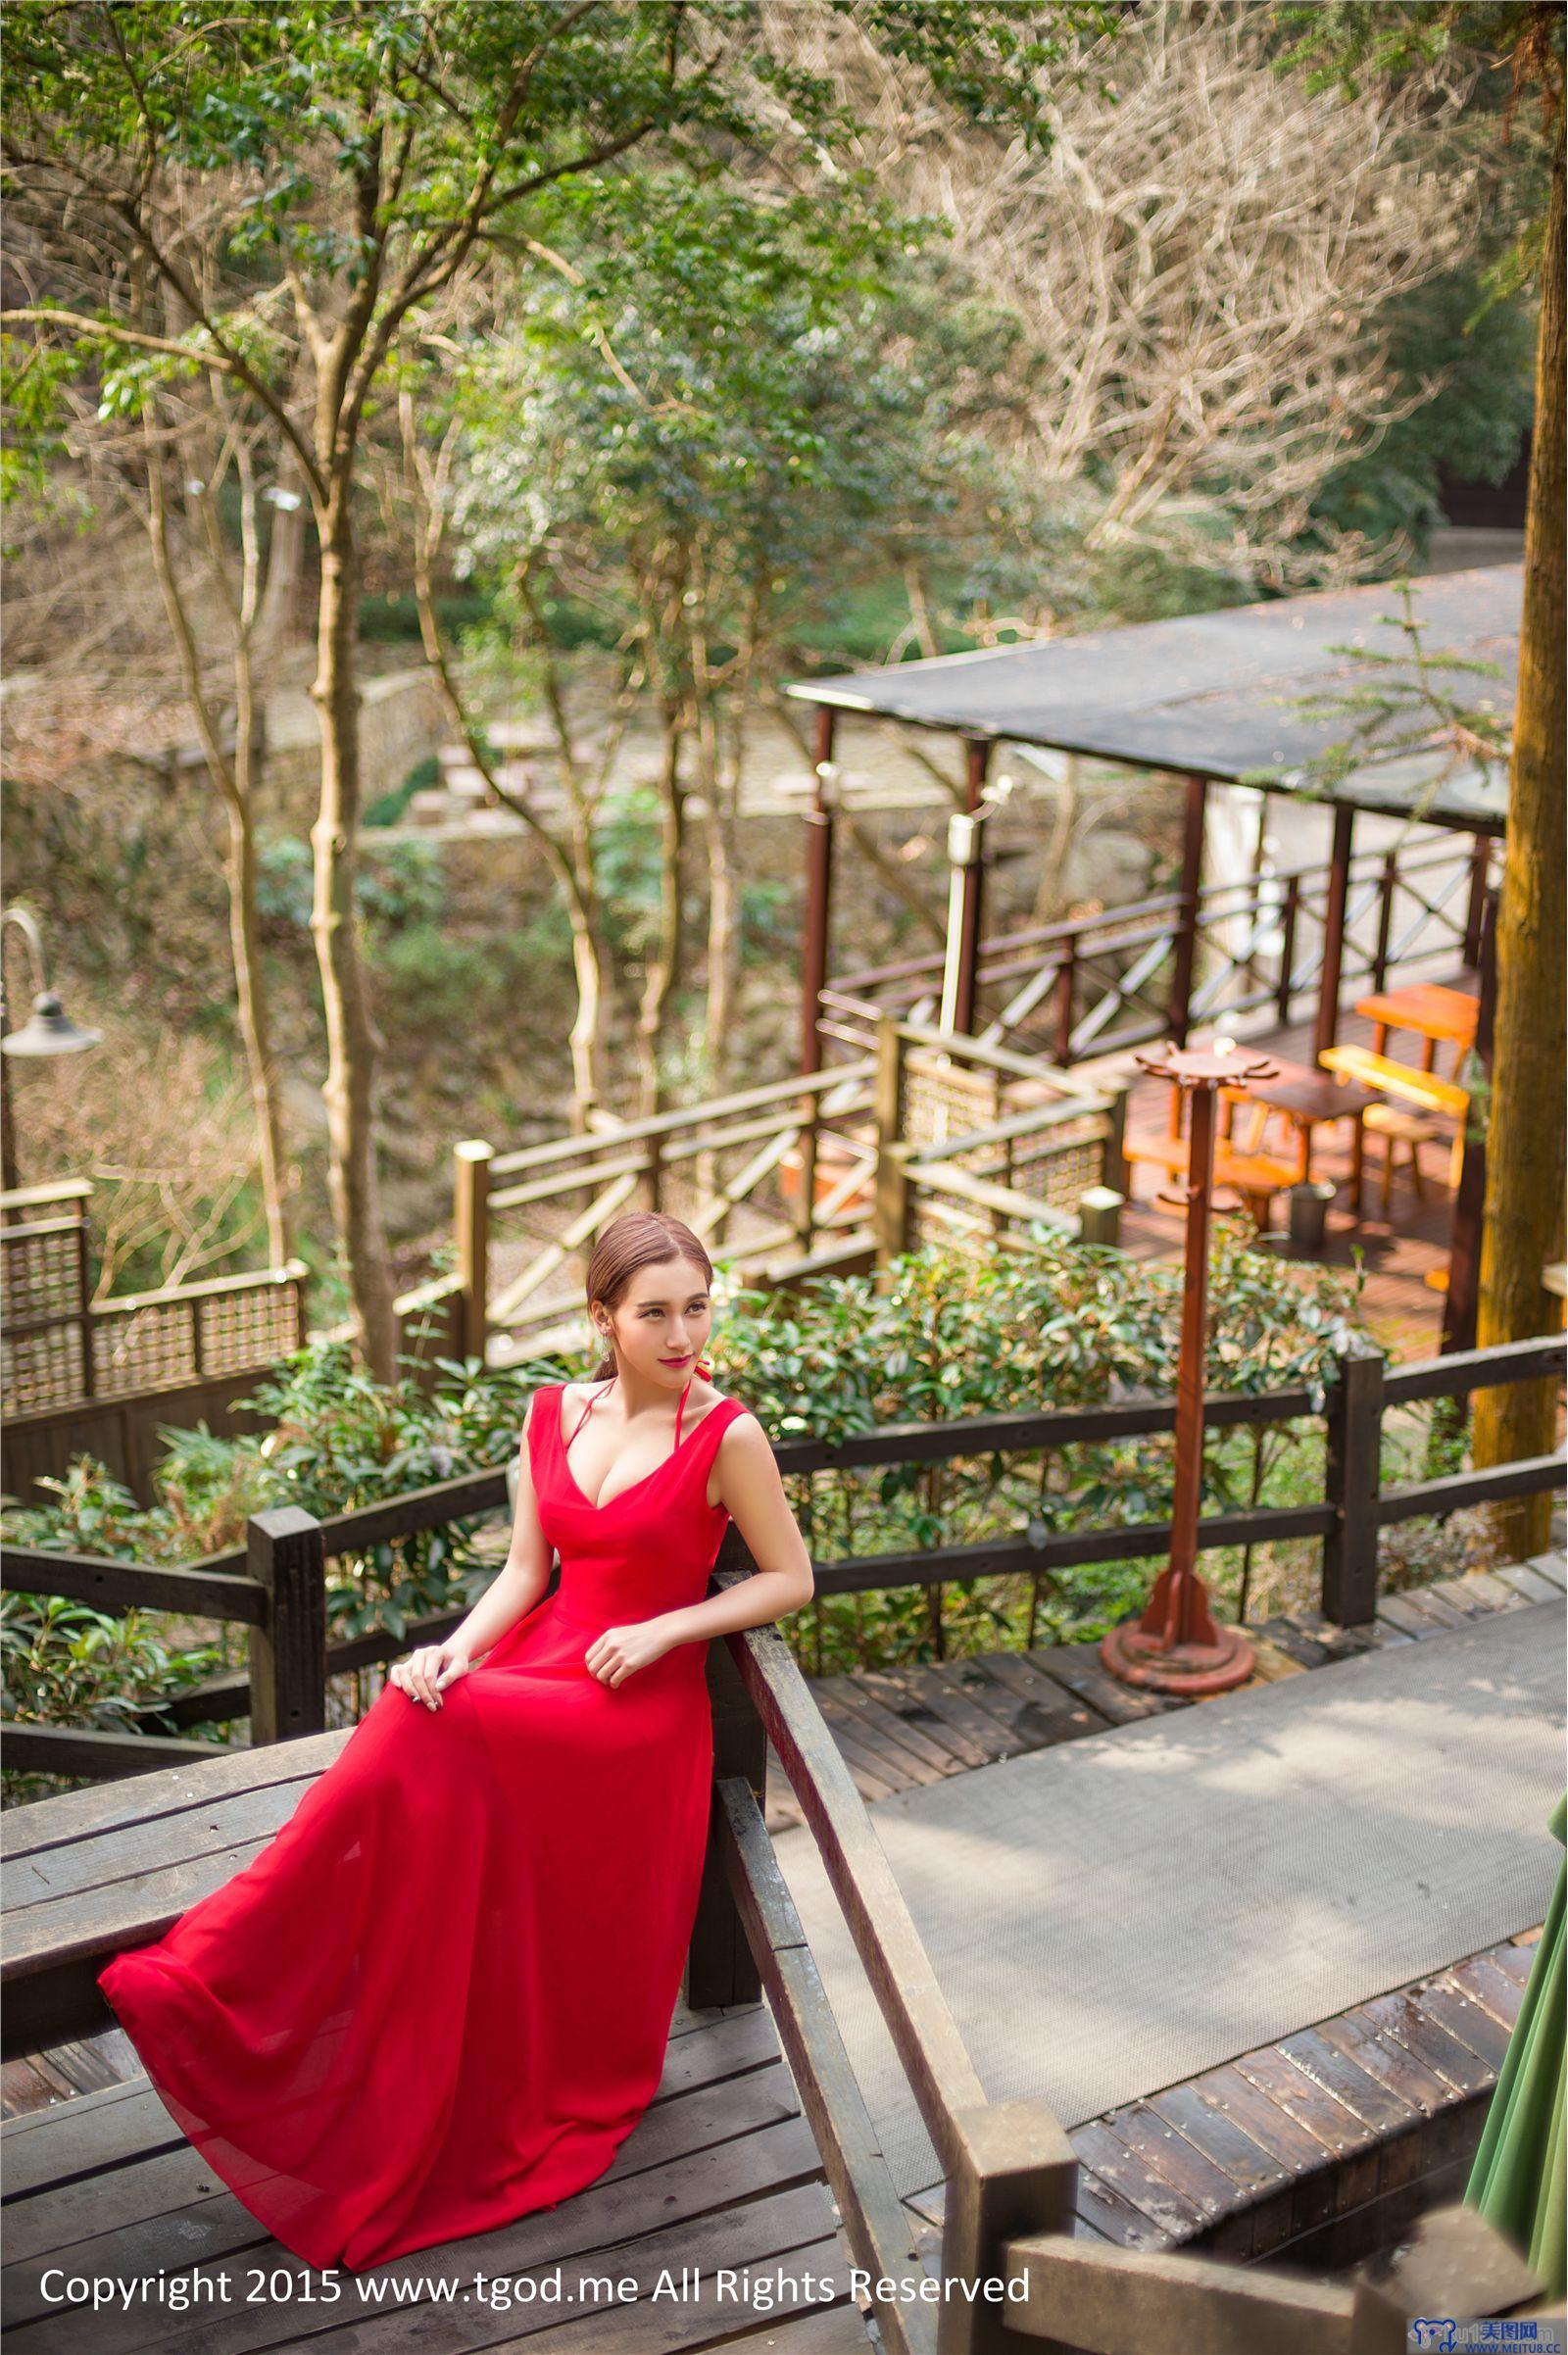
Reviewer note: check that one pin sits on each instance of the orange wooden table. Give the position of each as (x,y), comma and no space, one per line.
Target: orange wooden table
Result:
(1439,1017)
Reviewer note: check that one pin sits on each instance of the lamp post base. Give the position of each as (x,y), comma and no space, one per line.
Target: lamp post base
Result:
(1137,1658)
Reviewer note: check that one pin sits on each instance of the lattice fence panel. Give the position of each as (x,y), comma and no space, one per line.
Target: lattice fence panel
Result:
(41,1287)
(942,1099)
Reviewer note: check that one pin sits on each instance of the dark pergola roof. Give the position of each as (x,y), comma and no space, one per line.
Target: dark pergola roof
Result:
(1211,695)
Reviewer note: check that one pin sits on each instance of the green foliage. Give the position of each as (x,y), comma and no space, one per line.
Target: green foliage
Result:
(404,883)
(1472,427)
(388,807)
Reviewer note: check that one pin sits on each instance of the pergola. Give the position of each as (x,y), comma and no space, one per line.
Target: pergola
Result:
(1211,698)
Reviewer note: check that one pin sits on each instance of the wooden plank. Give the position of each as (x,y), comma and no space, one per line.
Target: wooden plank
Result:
(1428,1599)
(1553,1567)
(1007,1709)
(1201,2182)
(1495,1991)
(1166,2208)
(1398,2016)
(887,1688)
(1528,1582)
(927,1762)
(1461,1596)
(984,1738)
(1463,2018)
(1285,1637)
(1078,1669)
(1306,2100)
(1495,1592)
(1226,2145)
(1057,1716)
(1367,2096)
(1392,2064)
(1307,2156)
(1515,1959)
(1104,2207)
(1404,1615)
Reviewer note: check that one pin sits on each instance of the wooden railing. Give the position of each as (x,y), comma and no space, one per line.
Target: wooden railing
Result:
(931,1136)
(1011,2174)
(275,1585)
(97,1377)
(1092,985)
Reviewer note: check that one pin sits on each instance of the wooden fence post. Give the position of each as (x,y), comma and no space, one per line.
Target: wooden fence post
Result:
(1192,894)
(720,1967)
(1100,1210)
(1355,1418)
(471,1232)
(890,1204)
(1287,923)
(287,1554)
(1013,2171)
(1114,1160)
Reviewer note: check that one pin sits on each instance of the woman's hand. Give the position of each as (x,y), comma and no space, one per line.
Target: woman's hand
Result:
(621,1650)
(426,1672)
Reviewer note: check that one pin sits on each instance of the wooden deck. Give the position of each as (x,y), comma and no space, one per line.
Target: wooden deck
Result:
(721,2172)
(1401,1246)
(1307,2152)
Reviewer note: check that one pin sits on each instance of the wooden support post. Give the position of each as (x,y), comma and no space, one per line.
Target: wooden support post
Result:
(720,1967)
(818,891)
(1192,885)
(286,1554)
(652,1176)
(1462,1300)
(1355,1418)
(806,1199)
(1327,993)
(1113,1159)
(1385,892)
(1011,2172)
(470,1225)
(1066,992)
(1100,1210)
(1453,2262)
(1287,922)
(890,1200)
(1480,871)
(86,1321)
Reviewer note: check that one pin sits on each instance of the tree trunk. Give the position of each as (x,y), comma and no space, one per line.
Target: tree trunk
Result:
(352,1045)
(1522,1226)
(234,784)
(255,1019)
(664,963)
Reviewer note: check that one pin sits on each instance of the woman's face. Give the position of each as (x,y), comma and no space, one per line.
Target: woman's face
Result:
(662,1320)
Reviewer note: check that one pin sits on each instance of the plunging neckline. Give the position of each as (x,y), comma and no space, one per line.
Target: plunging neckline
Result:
(602,1507)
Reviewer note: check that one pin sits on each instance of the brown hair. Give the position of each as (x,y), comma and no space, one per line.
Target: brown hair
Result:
(636,1240)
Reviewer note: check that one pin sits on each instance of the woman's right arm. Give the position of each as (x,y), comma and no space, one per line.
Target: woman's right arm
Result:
(515,1588)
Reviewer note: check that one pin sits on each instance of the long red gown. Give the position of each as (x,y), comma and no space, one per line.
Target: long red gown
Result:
(440,1997)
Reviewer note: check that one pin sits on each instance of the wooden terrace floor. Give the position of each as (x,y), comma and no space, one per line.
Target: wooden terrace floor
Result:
(1310,2151)
(1401,1246)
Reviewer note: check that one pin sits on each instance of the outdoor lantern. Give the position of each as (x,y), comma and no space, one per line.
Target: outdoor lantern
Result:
(49,1030)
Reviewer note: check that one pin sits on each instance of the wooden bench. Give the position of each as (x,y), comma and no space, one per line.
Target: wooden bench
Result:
(1255,1176)
(1389,1078)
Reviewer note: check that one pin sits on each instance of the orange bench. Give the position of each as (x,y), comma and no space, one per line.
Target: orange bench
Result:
(1255,1176)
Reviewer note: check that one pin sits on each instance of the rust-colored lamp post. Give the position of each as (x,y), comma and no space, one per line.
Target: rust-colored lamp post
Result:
(1177,1645)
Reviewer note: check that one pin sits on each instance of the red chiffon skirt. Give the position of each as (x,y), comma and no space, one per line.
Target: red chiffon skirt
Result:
(440,1997)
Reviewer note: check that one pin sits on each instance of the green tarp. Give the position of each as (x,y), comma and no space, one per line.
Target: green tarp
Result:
(1518,2179)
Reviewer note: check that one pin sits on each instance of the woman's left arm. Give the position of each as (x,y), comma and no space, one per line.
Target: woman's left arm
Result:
(751,1489)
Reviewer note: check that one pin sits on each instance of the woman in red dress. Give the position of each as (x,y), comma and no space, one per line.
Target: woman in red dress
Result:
(440,1997)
